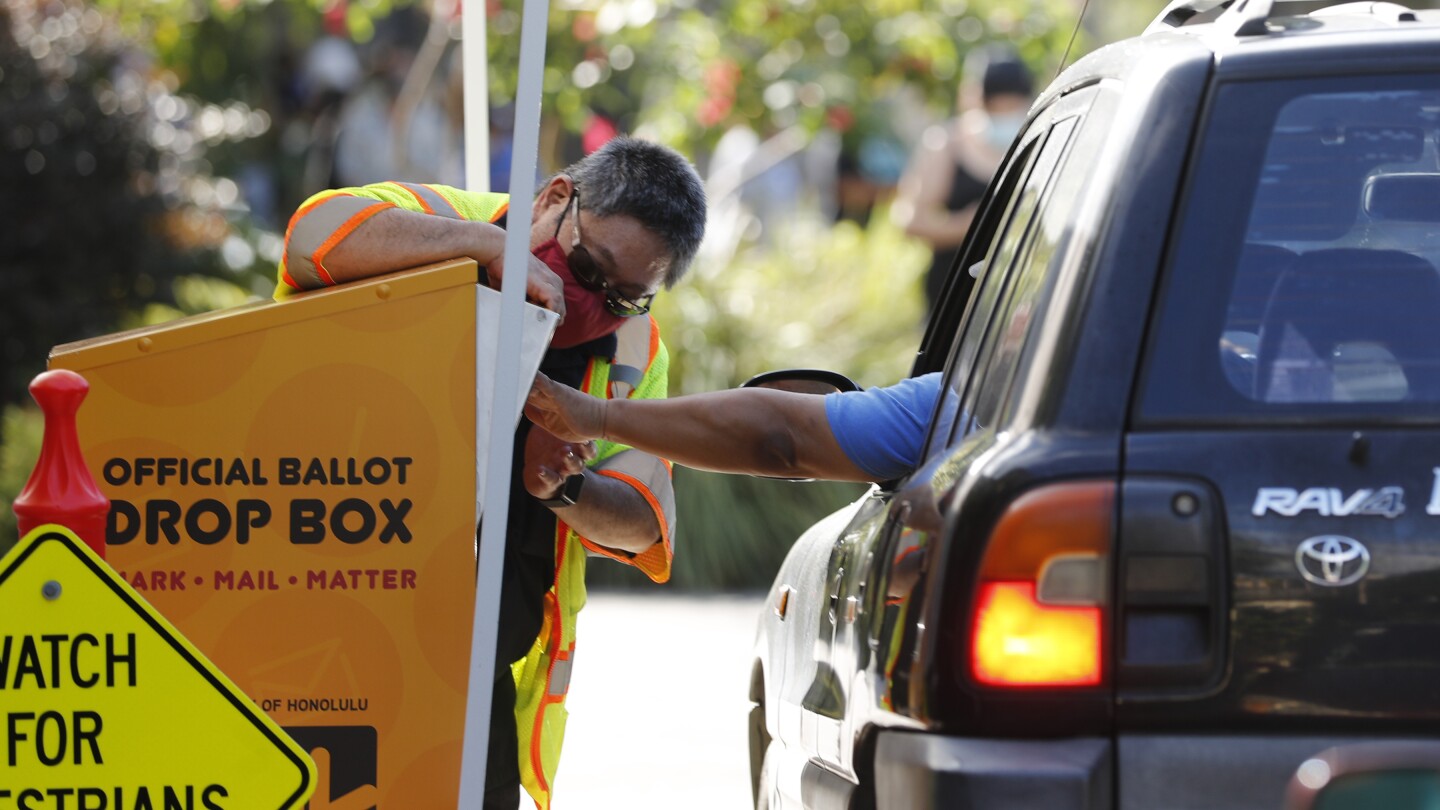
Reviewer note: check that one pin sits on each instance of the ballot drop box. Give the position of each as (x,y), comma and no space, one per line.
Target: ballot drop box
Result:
(295,486)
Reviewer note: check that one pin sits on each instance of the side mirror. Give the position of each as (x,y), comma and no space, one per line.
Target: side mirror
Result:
(803,381)
(1368,776)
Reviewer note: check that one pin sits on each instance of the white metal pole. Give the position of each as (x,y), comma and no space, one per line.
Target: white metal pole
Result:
(476,63)
(502,431)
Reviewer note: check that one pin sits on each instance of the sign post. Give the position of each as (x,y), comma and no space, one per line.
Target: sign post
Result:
(506,346)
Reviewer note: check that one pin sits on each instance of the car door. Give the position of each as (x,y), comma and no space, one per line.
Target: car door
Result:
(1281,549)
(879,562)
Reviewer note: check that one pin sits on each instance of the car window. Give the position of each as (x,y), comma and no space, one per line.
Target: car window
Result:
(1305,277)
(1025,294)
(1006,302)
(982,301)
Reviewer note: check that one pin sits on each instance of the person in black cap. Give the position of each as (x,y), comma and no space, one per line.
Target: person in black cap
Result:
(941,189)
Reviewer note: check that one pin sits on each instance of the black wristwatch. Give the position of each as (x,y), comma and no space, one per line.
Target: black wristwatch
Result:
(569,492)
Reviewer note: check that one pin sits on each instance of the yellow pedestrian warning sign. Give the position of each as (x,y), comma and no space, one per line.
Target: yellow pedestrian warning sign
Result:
(105,706)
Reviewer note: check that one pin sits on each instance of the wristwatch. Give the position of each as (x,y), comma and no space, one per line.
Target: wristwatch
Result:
(569,492)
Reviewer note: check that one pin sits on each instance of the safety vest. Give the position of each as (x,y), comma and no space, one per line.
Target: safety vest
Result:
(542,678)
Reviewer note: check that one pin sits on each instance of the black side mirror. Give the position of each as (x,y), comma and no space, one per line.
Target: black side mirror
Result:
(803,381)
(1368,776)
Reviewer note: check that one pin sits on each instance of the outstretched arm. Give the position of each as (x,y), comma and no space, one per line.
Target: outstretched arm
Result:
(748,430)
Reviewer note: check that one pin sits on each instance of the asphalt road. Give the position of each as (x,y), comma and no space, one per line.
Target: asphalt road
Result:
(658,703)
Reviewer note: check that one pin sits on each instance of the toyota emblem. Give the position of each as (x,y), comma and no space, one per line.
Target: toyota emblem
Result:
(1332,560)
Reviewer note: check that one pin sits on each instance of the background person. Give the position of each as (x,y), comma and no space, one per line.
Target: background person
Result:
(939,193)
(606,235)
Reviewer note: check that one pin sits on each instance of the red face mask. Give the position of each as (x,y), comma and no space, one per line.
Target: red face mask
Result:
(586,317)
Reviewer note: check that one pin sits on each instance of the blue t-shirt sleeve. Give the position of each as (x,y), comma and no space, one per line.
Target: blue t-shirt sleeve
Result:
(882,430)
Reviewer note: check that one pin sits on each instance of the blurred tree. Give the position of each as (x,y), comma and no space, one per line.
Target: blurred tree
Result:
(97,217)
(683,72)
(688,69)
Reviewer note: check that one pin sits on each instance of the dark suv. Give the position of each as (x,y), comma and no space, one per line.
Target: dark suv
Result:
(1178,525)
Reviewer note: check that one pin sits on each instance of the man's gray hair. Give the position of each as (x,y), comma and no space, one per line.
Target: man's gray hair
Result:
(652,183)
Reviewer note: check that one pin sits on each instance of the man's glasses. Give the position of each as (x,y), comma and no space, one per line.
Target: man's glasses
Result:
(587,272)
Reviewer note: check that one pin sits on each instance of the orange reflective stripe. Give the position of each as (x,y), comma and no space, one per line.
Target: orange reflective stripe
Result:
(503,210)
(424,206)
(315,229)
(654,341)
(654,561)
(431,200)
(318,258)
(557,635)
(305,209)
(285,273)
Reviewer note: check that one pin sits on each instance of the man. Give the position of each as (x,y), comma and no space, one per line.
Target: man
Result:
(607,234)
(874,435)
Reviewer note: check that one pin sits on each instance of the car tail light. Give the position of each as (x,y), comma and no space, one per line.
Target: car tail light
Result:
(1040,608)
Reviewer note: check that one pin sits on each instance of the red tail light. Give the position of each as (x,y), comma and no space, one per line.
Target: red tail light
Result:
(1040,608)
(1019,641)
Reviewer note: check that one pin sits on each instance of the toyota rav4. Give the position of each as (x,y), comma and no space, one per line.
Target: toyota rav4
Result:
(1178,525)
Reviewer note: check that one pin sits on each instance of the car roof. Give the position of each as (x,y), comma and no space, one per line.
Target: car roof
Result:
(1268,38)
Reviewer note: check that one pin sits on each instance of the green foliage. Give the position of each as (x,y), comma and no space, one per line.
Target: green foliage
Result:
(843,298)
(681,71)
(686,70)
(96,216)
(837,296)
(23,428)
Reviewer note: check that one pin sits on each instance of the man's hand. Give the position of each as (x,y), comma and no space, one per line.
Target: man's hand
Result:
(549,461)
(570,415)
(541,284)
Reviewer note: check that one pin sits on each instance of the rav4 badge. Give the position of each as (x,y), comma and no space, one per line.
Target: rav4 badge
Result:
(1329,502)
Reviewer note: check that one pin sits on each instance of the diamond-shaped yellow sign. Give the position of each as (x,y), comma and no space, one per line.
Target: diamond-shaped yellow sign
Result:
(105,706)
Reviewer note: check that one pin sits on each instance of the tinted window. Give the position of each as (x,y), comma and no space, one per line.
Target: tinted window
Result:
(981,306)
(1006,303)
(1305,280)
(1024,305)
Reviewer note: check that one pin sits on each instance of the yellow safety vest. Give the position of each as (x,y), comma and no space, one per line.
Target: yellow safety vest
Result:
(542,678)
(639,370)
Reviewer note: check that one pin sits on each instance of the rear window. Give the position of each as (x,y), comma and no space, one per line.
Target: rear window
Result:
(1304,280)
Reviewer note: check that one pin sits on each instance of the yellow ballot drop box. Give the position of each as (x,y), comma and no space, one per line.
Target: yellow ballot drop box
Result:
(295,486)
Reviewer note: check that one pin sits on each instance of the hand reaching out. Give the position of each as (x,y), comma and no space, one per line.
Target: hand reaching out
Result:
(566,413)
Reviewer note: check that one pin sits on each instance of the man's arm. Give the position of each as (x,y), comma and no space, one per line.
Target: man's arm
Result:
(609,511)
(749,430)
(344,238)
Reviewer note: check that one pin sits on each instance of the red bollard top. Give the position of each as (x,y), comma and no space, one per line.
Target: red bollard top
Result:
(61,489)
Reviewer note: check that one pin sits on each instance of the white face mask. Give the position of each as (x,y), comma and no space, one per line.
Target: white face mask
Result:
(1003,129)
